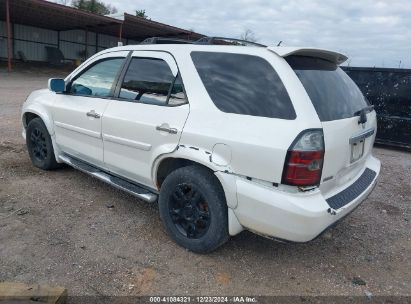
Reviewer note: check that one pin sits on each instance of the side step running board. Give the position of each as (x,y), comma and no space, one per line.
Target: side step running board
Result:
(117,182)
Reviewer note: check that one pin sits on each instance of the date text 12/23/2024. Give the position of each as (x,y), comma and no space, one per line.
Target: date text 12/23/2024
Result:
(203,299)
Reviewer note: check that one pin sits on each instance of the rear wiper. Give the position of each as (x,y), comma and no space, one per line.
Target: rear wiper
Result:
(362,113)
(367,109)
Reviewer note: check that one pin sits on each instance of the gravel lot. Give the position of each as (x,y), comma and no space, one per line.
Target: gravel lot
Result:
(65,228)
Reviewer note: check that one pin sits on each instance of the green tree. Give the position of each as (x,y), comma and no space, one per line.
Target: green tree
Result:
(94,6)
(141,13)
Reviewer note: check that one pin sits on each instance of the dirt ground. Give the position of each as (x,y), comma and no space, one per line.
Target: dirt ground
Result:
(64,228)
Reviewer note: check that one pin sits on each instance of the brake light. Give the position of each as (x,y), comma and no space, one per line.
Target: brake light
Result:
(304,162)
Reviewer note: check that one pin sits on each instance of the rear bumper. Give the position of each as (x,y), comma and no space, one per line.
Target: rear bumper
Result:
(298,217)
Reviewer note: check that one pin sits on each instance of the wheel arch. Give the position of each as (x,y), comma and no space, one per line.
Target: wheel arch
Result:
(185,156)
(167,164)
(31,113)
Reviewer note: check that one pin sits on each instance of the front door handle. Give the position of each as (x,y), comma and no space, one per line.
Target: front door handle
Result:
(93,113)
(164,128)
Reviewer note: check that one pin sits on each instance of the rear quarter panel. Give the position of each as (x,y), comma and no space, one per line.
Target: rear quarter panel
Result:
(258,144)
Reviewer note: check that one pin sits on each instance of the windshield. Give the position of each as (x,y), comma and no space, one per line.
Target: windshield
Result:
(332,92)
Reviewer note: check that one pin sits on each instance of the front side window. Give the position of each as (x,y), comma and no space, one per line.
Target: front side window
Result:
(98,79)
(243,84)
(150,80)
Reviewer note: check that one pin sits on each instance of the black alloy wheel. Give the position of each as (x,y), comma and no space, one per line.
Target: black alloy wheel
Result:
(189,211)
(38,144)
(194,209)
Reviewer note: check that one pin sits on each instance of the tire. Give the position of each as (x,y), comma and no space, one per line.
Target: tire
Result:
(193,209)
(39,145)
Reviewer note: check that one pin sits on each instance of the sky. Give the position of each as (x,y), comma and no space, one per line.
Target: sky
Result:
(369,32)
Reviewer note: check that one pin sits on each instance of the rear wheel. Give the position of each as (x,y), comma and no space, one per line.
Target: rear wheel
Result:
(193,209)
(40,146)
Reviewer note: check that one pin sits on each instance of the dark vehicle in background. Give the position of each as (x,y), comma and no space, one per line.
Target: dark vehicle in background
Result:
(389,90)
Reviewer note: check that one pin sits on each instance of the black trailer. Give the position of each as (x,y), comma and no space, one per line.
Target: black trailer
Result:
(389,90)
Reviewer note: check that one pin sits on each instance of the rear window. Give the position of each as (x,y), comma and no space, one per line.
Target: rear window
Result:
(332,92)
(243,84)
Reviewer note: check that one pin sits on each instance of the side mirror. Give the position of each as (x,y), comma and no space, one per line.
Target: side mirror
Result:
(57,85)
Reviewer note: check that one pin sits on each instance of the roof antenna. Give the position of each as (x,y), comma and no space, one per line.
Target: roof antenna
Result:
(279,44)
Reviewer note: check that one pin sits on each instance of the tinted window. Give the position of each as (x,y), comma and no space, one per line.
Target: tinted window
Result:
(149,80)
(97,80)
(177,95)
(243,84)
(332,92)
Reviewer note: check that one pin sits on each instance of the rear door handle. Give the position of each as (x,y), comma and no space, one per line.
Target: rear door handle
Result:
(166,129)
(93,113)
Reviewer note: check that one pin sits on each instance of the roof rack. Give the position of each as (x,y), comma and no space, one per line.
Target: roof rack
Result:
(203,40)
(165,40)
(227,41)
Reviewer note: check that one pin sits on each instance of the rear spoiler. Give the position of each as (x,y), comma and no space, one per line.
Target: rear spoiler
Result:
(332,56)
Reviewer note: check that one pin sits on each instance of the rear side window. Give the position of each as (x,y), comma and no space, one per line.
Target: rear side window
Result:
(332,92)
(150,80)
(177,95)
(243,84)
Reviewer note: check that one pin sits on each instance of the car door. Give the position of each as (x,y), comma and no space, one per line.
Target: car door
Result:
(77,112)
(147,118)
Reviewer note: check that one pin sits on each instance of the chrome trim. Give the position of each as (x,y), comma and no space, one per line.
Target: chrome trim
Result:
(106,177)
(362,135)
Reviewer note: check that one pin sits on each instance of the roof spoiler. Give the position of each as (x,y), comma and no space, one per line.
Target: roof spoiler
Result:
(332,56)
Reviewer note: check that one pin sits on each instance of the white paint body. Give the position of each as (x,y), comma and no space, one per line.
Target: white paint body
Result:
(125,141)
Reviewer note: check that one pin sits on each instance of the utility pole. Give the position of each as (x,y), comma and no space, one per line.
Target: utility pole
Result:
(9,50)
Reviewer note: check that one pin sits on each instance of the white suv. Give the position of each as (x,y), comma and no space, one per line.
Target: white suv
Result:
(274,140)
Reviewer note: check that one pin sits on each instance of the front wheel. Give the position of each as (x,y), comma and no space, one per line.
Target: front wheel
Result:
(194,210)
(40,146)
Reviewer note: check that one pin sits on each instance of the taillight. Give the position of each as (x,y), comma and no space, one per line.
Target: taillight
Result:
(304,162)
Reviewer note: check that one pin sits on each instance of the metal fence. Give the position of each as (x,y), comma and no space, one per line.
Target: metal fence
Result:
(32,42)
(389,90)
